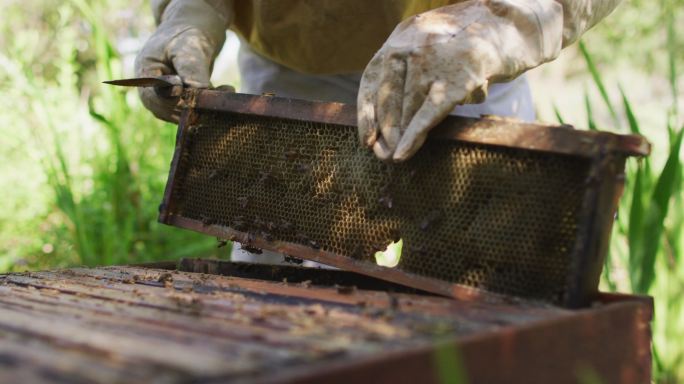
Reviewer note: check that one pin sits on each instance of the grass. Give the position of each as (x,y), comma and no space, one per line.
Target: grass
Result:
(448,364)
(647,241)
(102,156)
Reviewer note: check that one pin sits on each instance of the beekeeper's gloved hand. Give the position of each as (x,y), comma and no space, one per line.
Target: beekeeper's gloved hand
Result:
(448,56)
(189,36)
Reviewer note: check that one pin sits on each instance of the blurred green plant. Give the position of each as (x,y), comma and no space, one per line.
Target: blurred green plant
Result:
(647,241)
(449,365)
(634,31)
(104,158)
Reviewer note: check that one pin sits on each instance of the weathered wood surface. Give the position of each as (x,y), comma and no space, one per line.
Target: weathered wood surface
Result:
(134,324)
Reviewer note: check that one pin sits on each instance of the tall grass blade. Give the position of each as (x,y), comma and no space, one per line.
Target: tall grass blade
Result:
(671,56)
(596,76)
(635,230)
(631,119)
(557,112)
(591,123)
(587,375)
(449,366)
(675,230)
(654,222)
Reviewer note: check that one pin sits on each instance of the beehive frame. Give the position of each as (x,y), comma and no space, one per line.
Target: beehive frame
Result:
(245,167)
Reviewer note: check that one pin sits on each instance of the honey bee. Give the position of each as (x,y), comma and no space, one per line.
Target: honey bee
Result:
(293,260)
(291,154)
(250,249)
(221,243)
(386,201)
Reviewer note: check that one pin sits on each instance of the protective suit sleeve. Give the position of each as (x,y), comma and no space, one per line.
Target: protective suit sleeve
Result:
(448,56)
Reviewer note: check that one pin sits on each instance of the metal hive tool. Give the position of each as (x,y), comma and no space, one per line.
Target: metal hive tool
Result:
(487,204)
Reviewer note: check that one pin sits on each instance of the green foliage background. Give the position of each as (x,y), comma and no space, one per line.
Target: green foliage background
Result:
(84,165)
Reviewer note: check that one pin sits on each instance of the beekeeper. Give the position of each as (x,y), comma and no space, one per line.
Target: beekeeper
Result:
(423,59)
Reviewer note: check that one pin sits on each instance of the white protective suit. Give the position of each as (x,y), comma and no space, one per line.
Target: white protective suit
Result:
(463,57)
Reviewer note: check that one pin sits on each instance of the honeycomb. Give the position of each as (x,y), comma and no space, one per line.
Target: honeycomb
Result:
(496,218)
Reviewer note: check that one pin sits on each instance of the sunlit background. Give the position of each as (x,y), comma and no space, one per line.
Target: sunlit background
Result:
(83,166)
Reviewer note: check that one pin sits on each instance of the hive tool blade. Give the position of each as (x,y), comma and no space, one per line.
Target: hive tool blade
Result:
(165,85)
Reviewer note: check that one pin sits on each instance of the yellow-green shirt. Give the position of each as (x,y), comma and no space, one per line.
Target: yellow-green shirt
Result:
(322,36)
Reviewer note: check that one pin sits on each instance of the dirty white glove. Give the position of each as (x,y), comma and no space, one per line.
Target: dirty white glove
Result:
(189,36)
(448,56)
